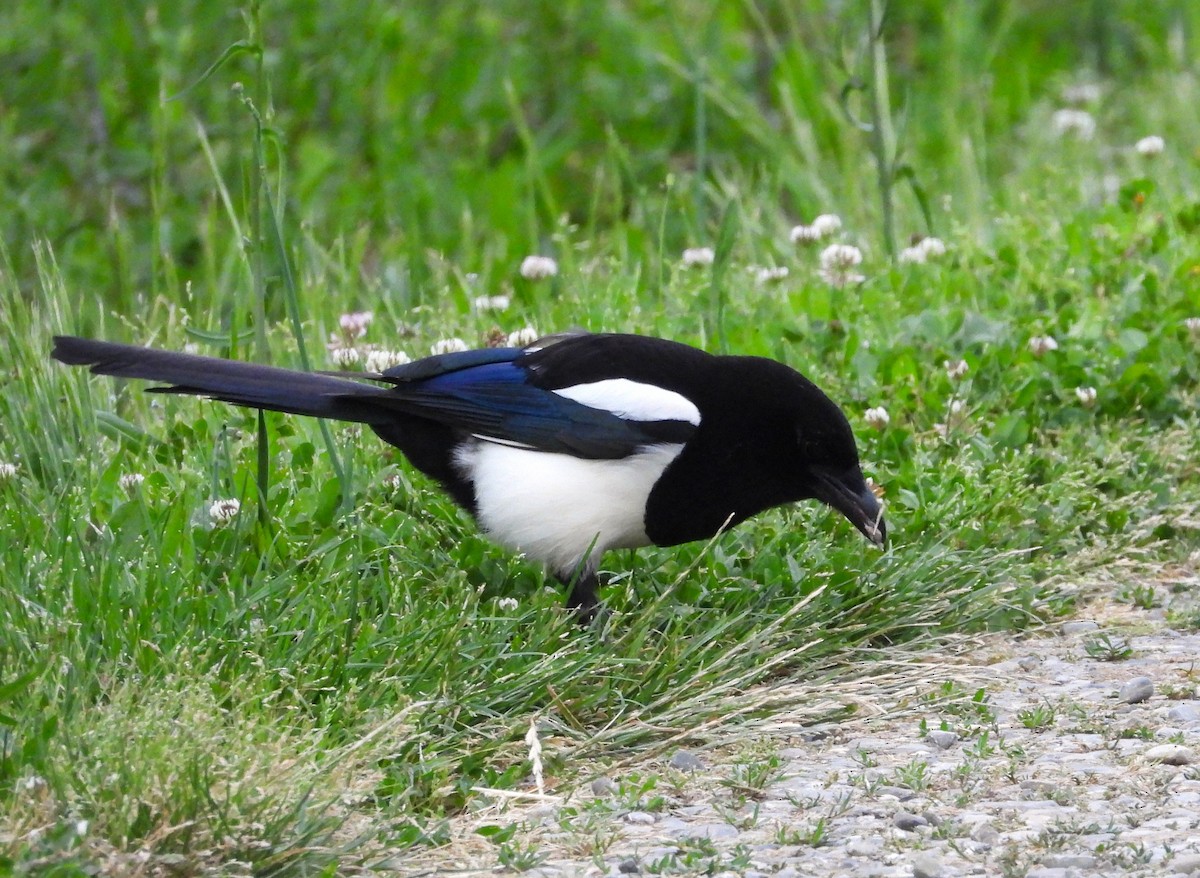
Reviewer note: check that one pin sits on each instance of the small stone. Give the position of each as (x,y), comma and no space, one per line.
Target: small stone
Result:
(685,760)
(1136,690)
(1188,864)
(639,817)
(542,815)
(926,866)
(942,739)
(1069,861)
(1169,754)
(864,847)
(602,786)
(712,831)
(909,822)
(1029,662)
(1041,787)
(673,825)
(629,867)
(901,793)
(985,833)
(1184,713)
(1079,626)
(1024,806)
(1048,873)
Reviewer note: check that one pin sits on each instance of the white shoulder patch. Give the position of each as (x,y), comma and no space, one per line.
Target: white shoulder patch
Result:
(634,401)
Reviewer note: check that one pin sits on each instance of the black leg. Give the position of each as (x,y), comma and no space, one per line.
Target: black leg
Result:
(582,600)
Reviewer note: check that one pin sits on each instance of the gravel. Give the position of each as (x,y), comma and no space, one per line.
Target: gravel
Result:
(1137,690)
(1066,766)
(943,740)
(927,866)
(1170,754)
(602,786)
(909,822)
(684,760)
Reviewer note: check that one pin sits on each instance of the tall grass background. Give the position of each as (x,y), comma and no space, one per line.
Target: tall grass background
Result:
(324,682)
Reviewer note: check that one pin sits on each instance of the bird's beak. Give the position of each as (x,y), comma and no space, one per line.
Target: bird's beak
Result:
(848,494)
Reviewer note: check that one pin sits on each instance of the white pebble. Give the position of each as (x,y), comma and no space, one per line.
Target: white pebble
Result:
(1169,754)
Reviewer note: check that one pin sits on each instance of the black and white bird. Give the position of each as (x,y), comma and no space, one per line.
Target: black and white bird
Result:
(574,445)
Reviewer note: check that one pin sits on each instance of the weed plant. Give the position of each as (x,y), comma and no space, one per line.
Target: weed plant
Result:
(322,679)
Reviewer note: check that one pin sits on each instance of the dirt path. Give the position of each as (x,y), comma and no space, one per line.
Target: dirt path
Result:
(1074,751)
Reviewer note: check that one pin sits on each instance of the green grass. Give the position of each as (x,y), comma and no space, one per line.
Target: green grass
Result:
(323,681)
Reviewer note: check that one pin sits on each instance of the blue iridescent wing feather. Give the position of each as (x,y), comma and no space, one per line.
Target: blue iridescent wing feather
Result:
(487,393)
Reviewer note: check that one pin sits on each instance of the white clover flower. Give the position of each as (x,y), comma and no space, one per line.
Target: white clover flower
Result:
(1074,123)
(1082,93)
(932,247)
(826,224)
(1150,146)
(877,417)
(7,470)
(1193,326)
(1086,396)
(821,227)
(507,603)
(81,827)
(912,256)
(191,348)
(344,358)
(837,260)
(491,303)
(393,481)
(538,267)
(770,275)
(223,511)
(526,335)
(1042,344)
(840,256)
(805,234)
(355,324)
(448,346)
(957,406)
(694,257)
(130,482)
(956,369)
(839,279)
(381,361)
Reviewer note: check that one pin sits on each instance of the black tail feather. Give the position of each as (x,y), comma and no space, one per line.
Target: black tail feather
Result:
(247,384)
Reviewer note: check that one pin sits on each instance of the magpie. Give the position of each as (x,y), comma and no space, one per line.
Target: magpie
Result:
(574,445)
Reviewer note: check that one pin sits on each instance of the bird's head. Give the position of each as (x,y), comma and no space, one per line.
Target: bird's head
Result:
(829,465)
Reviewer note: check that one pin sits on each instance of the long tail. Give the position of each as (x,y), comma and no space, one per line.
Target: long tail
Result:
(248,384)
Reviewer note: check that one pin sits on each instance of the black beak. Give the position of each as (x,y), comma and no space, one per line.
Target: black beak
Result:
(848,494)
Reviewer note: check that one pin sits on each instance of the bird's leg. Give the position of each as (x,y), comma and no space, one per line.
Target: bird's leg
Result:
(582,599)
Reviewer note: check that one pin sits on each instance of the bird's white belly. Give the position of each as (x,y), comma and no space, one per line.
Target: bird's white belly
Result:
(557,508)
